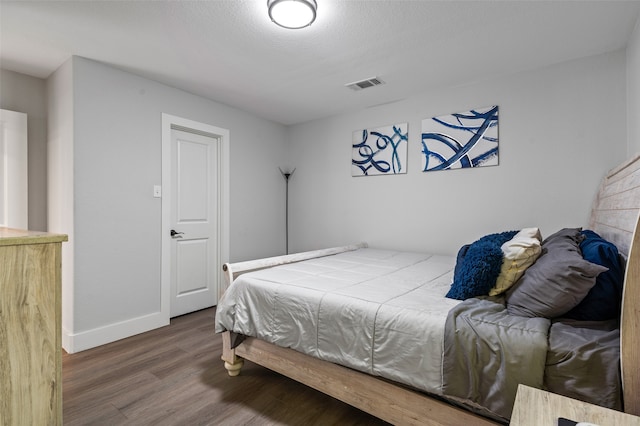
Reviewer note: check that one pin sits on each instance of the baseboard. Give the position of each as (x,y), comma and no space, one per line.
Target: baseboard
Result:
(77,342)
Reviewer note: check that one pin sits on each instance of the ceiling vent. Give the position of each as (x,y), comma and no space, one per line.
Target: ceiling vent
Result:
(365,84)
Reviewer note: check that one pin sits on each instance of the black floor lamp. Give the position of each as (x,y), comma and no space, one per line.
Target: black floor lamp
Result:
(286,176)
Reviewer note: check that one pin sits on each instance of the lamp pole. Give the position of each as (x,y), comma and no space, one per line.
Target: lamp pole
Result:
(286,176)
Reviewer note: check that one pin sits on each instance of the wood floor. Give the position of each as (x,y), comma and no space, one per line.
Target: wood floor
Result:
(174,376)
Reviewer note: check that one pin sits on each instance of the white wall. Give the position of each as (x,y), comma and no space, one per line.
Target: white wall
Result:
(633,90)
(60,183)
(23,93)
(561,128)
(117,161)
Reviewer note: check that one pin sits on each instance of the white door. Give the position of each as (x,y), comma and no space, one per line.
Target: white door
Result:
(13,170)
(194,219)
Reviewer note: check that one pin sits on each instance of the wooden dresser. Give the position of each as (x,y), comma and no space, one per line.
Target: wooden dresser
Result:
(30,328)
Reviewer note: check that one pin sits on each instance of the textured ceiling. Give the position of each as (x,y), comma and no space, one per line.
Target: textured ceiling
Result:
(229,51)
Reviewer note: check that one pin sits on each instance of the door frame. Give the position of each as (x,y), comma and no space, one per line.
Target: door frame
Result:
(14,179)
(170,122)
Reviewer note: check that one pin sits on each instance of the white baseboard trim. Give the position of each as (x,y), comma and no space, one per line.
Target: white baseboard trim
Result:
(77,342)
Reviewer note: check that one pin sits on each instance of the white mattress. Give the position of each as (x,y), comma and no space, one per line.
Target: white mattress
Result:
(378,311)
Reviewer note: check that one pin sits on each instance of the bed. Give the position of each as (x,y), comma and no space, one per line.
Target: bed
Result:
(374,375)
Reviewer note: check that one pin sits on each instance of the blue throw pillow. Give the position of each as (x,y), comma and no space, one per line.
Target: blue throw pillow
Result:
(460,259)
(603,302)
(478,266)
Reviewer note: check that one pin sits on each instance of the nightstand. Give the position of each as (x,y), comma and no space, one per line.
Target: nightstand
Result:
(535,407)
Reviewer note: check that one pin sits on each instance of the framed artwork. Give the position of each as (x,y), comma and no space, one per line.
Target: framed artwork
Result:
(380,151)
(462,140)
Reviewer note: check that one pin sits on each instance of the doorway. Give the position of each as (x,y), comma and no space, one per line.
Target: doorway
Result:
(194,192)
(13,170)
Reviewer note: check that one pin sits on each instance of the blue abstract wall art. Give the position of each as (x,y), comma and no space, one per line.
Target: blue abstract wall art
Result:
(380,151)
(462,140)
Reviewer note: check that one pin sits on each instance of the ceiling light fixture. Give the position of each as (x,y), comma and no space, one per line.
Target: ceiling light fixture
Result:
(292,14)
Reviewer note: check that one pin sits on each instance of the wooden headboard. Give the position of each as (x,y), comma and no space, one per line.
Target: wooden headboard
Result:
(615,216)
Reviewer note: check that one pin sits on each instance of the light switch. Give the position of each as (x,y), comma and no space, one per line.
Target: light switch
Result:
(157,191)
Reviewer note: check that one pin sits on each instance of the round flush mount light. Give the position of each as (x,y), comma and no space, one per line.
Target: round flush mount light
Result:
(292,14)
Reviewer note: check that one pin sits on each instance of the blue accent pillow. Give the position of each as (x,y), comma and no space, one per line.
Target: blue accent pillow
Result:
(603,302)
(478,266)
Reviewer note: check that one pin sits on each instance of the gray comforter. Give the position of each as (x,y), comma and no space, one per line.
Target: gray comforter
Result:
(377,311)
(488,352)
(584,362)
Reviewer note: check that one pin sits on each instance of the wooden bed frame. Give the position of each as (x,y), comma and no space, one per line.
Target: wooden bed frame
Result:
(614,216)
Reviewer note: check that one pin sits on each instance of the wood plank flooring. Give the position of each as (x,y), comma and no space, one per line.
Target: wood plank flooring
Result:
(174,376)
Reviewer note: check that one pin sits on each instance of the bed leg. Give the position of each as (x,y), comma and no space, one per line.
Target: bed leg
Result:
(232,362)
(234,369)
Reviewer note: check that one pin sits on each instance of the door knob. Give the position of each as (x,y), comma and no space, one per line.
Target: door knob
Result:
(175,234)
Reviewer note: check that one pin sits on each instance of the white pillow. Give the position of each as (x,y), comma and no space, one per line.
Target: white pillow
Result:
(520,252)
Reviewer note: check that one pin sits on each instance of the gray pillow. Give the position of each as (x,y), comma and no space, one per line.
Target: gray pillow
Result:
(557,281)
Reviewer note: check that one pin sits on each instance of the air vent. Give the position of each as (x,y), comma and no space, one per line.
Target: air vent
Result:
(364,84)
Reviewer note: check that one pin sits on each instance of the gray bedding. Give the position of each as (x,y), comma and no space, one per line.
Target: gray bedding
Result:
(488,352)
(384,313)
(381,312)
(584,361)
